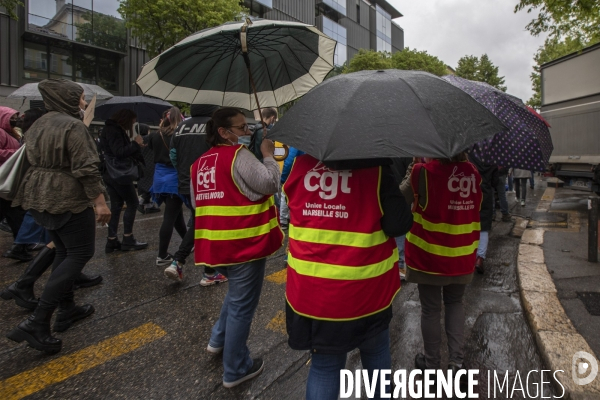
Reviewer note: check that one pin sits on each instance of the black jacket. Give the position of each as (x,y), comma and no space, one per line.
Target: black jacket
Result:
(489,176)
(115,143)
(189,143)
(330,337)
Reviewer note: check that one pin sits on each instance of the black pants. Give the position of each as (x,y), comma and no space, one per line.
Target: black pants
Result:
(186,246)
(75,245)
(14,216)
(520,188)
(172,218)
(120,194)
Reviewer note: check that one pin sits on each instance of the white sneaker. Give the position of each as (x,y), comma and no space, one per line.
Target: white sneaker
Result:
(174,272)
(522,203)
(163,262)
(402,274)
(214,350)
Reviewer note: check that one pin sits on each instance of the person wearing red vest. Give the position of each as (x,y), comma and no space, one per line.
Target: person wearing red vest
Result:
(236,228)
(441,249)
(342,273)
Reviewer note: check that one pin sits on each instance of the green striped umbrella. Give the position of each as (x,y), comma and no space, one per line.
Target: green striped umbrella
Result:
(282,60)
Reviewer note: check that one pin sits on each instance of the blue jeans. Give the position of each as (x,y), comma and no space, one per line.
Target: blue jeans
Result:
(484,238)
(400,245)
(324,375)
(30,232)
(233,327)
(500,189)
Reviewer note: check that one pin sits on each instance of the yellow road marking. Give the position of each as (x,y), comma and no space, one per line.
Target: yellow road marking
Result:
(277,324)
(278,277)
(62,368)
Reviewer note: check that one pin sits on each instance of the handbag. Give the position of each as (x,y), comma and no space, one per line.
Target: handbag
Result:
(12,172)
(121,171)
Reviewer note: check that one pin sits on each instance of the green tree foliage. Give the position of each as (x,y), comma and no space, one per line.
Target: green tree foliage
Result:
(418,61)
(561,18)
(159,24)
(367,60)
(480,69)
(107,31)
(10,6)
(552,49)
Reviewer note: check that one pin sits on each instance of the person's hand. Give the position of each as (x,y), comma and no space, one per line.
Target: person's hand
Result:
(102,214)
(139,140)
(267,148)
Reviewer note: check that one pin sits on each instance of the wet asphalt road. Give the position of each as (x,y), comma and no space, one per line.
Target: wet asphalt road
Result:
(174,364)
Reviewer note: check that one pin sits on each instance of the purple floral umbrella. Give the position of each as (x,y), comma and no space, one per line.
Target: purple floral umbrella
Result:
(526,145)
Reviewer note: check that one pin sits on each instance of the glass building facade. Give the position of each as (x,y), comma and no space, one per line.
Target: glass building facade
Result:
(337,32)
(383,20)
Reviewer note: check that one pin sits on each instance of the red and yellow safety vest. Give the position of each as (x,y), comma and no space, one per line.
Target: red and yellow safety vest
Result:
(341,266)
(445,233)
(229,228)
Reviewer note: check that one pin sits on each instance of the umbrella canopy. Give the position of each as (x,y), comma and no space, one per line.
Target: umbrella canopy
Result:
(380,114)
(286,60)
(30,91)
(527,143)
(148,110)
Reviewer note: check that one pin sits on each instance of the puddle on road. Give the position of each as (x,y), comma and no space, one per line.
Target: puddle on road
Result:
(501,343)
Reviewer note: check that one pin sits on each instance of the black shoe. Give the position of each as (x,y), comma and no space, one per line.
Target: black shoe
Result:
(153,209)
(83,281)
(36,246)
(5,227)
(22,290)
(463,379)
(420,363)
(18,252)
(112,245)
(479,265)
(257,367)
(36,331)
(130,243)
(141,208)
(70,314)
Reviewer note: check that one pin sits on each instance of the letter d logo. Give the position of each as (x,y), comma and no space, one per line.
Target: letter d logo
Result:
(580,367)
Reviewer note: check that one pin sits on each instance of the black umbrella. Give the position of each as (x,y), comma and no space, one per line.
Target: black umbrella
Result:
(148,110)
(380,114)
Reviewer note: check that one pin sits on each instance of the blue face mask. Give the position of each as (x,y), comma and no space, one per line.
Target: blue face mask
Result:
(245,140)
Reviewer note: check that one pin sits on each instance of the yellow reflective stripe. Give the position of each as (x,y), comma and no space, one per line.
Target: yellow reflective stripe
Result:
(233,234)
(324,236)
(446,228)
(235,211)
(342,272)
(442,250)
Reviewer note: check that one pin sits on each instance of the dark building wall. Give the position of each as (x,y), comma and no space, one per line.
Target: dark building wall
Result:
(132,66)
(293,10)
(358,36)
(397,38)
(9,51)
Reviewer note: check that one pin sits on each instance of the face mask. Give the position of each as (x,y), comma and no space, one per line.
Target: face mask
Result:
(245,140)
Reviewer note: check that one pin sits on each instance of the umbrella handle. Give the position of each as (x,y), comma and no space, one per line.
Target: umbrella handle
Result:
(246,57)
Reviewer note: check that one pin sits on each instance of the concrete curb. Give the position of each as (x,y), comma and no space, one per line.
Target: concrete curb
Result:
(556,337)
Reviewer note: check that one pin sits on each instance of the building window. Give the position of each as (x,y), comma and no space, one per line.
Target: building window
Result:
(338,33)
(94,22)
(384,30)
(358,11)
(337,5)
(42,62)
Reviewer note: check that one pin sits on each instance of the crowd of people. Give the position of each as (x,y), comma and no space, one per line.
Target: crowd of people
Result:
(356,228)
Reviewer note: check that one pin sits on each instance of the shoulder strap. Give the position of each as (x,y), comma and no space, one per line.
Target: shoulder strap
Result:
(418,182)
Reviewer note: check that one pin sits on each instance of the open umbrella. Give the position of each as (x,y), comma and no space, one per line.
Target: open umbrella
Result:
(148,109)
(525,145)
(381,114)
(30,91)
(260,63)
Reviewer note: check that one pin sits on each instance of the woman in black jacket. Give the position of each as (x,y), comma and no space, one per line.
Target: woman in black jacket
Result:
(116,144)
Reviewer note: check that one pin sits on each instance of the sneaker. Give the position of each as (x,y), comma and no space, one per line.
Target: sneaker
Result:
(208,280)
(402,274)
(5,227)
(479,265)
(174,272)
(420,362)
(214,350)
(463,379)
(257,367)
(506,217)
(162,262)
(284,226)
(522,203)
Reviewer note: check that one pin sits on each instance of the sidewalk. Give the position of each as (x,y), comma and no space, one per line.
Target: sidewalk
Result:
(560,289)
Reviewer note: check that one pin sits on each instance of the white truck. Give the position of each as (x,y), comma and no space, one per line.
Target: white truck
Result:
(571,105)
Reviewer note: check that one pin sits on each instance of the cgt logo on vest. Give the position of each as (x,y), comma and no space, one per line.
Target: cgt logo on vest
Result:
(205,178)
(321,177)
(462,183)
